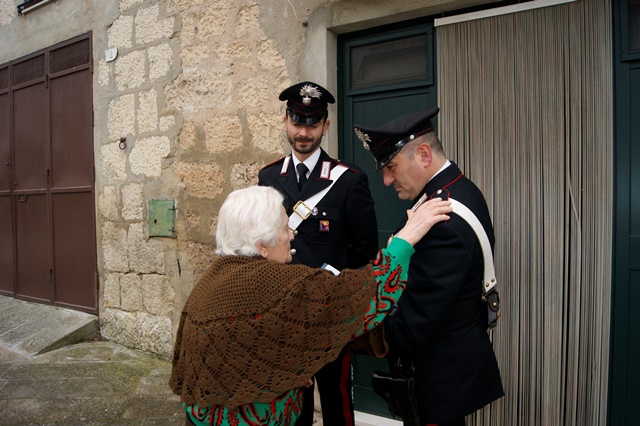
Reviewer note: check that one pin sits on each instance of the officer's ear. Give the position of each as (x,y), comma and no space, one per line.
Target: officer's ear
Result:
(424,154)
(325,127)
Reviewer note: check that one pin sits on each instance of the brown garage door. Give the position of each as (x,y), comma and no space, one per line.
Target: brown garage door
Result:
(46,183)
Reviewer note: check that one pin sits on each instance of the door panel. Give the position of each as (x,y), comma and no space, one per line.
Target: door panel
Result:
(71,131)
(6,246)
(5,145)
(6,216)
(30,138)
(74,250)
(33,248)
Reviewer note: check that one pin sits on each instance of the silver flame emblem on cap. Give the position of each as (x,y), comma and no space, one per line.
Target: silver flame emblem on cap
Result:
(307,92)
(363,137)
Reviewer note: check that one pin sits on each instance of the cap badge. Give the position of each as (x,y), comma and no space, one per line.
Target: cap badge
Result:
(364,138)
(307,92)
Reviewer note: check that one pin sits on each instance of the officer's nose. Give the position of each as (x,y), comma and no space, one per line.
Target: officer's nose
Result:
(387,177)
(304,131)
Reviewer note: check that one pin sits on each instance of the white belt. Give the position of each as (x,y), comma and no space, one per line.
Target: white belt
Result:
(489,280)
(303,209)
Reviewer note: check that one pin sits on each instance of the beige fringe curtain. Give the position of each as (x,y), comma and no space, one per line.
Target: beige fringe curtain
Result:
(526,111)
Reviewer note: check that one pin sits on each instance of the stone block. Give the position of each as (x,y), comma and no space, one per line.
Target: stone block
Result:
(193,56)
(147,111)
(188,136)
(156,335)
(147,154)
(114,248)
(111,291)
(120,116)
(114,162)
(158,295)
(120,34)
(160,61)
(223,134)
(167,122)
(145,256)
(251,93)
(150,27)
(149,333)
(132,202)
(267,132)
(130,70)
(108,203)
(247,20)
(212,21)
(131,292)
(201,180)
(269,57)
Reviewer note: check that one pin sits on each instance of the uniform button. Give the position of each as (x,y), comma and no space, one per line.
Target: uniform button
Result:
(324,213)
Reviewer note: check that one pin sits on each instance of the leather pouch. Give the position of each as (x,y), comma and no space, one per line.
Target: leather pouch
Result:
(399,393)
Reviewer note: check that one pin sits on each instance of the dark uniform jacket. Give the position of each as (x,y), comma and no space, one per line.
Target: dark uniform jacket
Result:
(441,321)
(343,230)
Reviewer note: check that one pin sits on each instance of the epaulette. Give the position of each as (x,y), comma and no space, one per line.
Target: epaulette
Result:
(347,165)
(280,160)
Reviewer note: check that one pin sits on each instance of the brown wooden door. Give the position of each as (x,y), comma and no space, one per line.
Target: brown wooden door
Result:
(6,211)
(51,193)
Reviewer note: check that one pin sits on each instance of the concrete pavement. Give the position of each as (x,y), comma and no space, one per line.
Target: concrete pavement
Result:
(54,370)
(89,383)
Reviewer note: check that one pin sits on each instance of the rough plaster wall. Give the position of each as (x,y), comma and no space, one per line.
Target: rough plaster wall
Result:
(193,90)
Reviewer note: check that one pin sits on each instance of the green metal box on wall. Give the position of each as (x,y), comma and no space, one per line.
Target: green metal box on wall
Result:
(162,217)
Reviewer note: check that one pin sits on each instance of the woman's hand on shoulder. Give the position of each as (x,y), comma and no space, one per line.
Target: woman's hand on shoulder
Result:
(421,220)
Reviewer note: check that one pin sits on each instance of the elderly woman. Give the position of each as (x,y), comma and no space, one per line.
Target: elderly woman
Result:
(254,330)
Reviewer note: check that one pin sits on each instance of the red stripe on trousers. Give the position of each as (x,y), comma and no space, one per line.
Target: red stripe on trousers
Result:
(346,373)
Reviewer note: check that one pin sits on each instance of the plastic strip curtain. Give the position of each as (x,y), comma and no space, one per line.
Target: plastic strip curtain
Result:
(526,111)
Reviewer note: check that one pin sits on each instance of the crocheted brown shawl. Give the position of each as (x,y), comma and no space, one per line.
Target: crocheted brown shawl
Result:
(253,329)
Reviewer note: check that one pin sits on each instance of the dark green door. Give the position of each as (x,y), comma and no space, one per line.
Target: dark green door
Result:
(624,392)
(384,73)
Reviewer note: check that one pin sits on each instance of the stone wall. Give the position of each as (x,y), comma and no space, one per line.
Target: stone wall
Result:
(188,111)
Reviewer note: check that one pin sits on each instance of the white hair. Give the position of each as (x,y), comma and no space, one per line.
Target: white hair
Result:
(249,216)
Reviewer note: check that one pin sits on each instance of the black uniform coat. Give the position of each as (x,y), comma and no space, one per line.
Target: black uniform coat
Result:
(349,239)
(441,321)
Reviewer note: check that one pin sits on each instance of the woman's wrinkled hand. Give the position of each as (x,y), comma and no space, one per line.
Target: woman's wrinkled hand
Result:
(421,220)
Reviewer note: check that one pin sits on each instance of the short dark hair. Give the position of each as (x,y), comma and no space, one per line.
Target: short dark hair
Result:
(430,138)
